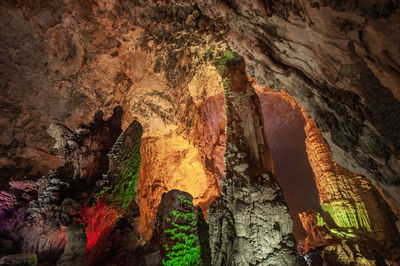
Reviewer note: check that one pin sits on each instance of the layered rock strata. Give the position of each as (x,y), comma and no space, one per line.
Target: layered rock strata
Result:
(350,200)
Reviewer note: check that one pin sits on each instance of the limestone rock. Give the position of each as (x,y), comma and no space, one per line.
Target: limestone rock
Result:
(333,59)
(222,232)
(75,248)
(318,234)
(176,230)
(26,259)
(260,218)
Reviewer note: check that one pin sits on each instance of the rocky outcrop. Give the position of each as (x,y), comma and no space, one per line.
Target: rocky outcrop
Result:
(318,235)
(63,60)
(350,200)
(261,221)
(339,60)
(222,232)
(124,245)
(75,249)
(178,231)
(170,160)
(85,150)
(284,128)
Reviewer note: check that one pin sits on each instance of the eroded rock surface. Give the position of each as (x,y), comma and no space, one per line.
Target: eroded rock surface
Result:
(261,221)
(340,61)
(178,231)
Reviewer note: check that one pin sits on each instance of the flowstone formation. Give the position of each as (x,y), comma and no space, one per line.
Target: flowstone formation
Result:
(353,209)
(340,61)
(262,226)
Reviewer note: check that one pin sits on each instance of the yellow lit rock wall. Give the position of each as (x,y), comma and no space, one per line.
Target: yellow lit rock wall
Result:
(189,157)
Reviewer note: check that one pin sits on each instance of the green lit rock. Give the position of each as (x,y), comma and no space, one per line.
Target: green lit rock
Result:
(26,259)
(124,168)
(180,231)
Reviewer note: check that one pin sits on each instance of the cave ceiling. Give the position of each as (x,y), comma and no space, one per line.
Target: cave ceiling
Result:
(188,72)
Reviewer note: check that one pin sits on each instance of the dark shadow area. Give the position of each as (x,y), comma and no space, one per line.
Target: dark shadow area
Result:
(284,130)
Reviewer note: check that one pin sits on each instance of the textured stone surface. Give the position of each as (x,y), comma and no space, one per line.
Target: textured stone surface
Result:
(63,60)
(75,249)
(177,231)
(20,259)
(340,61)
(318,234)
(261,221)
(170,160)
(350,200)
(222,233)
(85,150)
(284,128)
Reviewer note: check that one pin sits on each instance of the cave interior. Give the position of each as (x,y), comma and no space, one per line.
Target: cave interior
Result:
(201,132)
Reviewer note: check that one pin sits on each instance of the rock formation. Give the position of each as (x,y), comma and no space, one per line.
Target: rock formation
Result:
(262,225)
(350,200)
(177,231)
(338,61)
(169,65)
(75,248)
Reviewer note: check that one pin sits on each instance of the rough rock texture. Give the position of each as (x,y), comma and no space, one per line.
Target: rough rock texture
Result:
(37,212)
(63,60)
(261,221)
(318,235)
(75,249)
(284,129)
(114,192)
(352,206)
(27,259)
(172,159)
(177,231)
(340,60)
(350,200)
(85,150)
(222,232)
(124,245)
(43,228)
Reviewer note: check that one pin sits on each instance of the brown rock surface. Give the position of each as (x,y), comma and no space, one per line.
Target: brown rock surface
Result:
(317,234)
(63,60)
(340,61)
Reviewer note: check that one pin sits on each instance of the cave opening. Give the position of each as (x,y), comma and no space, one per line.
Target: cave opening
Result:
(284,129)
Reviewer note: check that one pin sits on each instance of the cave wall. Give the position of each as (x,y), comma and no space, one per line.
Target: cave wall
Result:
(258,227)
(340,60)
(284,129)
(63,60)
